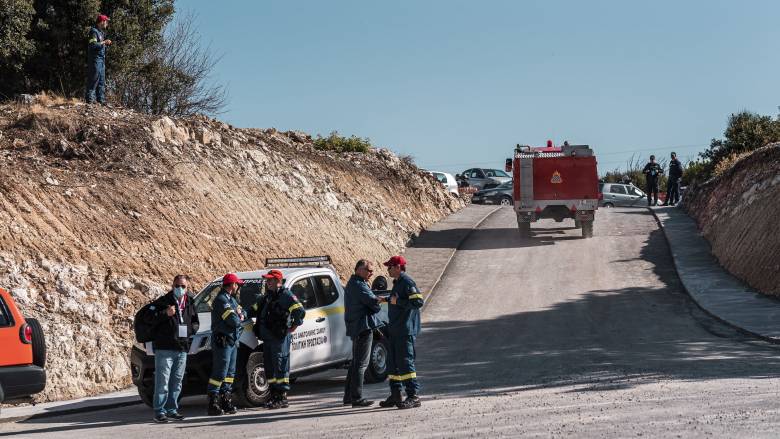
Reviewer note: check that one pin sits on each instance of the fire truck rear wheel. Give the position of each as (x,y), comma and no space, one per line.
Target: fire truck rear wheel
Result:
(587,229)
(525,229)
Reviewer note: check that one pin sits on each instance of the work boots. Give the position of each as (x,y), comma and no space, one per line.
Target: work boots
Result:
(226,403)
(393,400)
(275,401)
(411,401)
(283,402)
(214,407)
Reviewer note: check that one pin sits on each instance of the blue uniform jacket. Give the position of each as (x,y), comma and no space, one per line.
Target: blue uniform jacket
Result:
(95,49)
(226,316)
(360,307)
(405,314)
(272,308)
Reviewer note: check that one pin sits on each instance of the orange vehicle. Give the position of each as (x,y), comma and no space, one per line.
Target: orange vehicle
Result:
(22,352)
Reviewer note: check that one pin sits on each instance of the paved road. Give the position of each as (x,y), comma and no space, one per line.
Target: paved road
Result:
(551,336)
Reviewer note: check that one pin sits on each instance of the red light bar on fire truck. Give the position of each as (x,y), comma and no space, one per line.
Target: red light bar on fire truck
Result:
(308,261)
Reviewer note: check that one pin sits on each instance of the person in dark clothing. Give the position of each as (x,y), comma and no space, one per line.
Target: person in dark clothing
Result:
(673,184)
(175,320)
(360,315)
(96,61)
(279,313)
(403,312)
(652,173)
(226,318)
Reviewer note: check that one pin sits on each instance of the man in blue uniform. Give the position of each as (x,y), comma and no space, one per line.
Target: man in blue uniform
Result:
(403,311)
(226,317)
(279,313)
(360,315)
(673,184)
(96,60)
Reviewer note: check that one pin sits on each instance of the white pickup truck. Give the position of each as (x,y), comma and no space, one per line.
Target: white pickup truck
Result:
(320,343)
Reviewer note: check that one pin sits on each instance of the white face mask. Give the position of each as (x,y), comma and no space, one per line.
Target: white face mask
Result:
(178,292)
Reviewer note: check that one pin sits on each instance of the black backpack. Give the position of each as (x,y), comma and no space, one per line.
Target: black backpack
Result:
(143,324)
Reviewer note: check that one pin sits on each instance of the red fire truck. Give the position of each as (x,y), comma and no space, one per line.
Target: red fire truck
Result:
(555,182)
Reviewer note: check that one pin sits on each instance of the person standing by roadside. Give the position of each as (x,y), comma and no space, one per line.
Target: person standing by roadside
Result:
(175,320)
(360,315)
(279,313)
(652,173)
(404,326)
(226,318)
(673,184)
(96,61)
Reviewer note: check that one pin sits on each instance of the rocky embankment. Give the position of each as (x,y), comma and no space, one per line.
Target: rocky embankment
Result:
(738,212)
(100,207)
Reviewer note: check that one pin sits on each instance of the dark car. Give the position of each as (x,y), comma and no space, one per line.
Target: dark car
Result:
(502,194)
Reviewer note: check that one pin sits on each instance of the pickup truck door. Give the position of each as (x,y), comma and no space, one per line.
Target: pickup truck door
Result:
(331,295)
(311,341)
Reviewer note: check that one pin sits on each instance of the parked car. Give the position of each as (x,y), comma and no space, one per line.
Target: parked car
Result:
(319,344)
(621,195)
(501,194)
(484,178)
(447,180)
(22,352)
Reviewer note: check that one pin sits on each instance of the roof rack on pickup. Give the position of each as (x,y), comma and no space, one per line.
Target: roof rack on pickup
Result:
(302,261)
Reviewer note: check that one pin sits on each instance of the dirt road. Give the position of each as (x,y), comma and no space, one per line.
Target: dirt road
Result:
(552,336)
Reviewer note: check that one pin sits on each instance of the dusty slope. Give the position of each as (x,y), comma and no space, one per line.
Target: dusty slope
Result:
(99,208)
(738,212)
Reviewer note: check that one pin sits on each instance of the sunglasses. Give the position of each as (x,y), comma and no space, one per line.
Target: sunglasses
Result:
(180,286)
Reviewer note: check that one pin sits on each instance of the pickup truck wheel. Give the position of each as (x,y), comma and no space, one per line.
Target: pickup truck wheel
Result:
(377,365)
(587,229)
(252,389)
(38,343)
(147,395)
(525,229)
(506,201)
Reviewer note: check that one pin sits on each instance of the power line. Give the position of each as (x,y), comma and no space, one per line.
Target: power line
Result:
(477,164)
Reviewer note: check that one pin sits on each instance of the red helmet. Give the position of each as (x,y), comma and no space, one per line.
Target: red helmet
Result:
(231,278)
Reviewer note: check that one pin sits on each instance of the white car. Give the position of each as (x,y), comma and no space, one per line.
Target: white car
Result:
(320,343)
(447,180)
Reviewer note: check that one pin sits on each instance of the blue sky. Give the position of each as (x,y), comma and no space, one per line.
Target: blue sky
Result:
(457,84)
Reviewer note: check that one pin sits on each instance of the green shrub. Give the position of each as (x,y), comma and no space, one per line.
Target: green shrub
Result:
(337,143)
(697,171)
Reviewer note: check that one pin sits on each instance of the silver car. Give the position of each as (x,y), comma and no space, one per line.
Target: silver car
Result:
(621,195)
(482,178)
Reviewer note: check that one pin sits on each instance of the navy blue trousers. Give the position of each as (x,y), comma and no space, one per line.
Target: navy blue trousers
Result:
(400,364)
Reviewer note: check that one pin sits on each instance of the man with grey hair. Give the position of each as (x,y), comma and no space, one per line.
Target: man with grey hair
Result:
(360,314)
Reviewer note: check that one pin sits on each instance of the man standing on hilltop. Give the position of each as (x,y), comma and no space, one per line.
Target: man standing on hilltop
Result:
(96,60)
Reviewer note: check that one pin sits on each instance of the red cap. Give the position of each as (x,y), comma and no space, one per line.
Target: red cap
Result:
(101,18)
(231,278)
(395,260)
(274,274)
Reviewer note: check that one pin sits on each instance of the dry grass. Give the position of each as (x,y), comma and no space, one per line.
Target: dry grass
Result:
(726,164)
(48,99)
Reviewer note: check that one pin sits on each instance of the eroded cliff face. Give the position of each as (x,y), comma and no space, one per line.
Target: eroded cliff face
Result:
(739,213)
(100,208)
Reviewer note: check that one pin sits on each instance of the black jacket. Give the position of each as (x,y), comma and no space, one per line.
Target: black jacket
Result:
(652,171)
(166,329)
(675,169)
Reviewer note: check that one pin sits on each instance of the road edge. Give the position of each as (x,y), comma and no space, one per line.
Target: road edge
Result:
(432,291)
(723,320)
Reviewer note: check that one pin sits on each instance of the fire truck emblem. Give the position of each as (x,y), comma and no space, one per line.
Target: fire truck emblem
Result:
(556,178)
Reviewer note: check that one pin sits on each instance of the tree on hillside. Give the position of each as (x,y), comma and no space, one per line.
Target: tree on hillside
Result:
(174,76)
(156,65)
(745,132)
(15,19)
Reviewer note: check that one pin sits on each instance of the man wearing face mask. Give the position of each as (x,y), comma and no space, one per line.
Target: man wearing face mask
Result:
(279,313)
(226,318)
(175,320)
